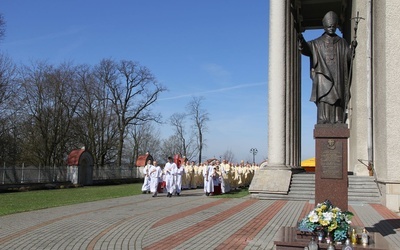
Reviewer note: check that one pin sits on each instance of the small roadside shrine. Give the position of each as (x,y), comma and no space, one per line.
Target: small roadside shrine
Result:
(80,167)
(142,160)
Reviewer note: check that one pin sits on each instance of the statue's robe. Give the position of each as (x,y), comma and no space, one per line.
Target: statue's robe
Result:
(329,61)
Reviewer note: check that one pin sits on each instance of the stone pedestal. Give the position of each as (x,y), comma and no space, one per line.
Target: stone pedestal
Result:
(275,181)
(331,181)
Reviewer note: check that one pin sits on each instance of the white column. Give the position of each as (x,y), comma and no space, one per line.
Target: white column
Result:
(276,85)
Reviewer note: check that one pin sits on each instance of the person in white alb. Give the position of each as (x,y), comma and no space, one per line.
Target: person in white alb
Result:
(225,184)
(155,174)
(208,171)
(146,182)
(179,172)
(170,171)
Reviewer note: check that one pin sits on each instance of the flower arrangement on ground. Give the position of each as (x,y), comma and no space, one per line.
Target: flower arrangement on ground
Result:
(329,219)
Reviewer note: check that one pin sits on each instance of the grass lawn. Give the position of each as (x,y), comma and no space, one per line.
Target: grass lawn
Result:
(238,193)
(17,202)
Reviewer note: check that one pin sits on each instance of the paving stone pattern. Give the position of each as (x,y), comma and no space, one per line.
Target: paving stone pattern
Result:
(190,221)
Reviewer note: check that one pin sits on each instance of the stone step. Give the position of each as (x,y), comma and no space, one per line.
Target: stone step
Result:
(362,189)
(311,197)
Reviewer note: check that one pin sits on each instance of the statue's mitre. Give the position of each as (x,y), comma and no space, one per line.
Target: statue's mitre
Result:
(329,17)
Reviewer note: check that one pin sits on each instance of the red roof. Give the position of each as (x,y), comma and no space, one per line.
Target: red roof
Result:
(73,157)
(142,160)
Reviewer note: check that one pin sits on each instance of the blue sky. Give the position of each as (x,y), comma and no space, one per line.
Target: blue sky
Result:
(214,49)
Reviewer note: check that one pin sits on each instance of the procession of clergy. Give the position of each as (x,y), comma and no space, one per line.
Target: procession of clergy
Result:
(213,176)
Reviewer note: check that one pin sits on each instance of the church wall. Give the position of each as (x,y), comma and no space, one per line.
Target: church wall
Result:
(386,62)
(379,79)
(393,88)
(358,112)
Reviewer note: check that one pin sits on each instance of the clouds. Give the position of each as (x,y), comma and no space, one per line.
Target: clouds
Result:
(212,91)
(52,46)
(218,73)
(238,118)
(70,32)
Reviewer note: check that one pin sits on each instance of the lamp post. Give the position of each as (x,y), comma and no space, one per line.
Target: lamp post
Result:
(254,151)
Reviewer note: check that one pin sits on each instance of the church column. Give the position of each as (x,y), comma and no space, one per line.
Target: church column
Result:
(293,94)
(276,176)
(277,85)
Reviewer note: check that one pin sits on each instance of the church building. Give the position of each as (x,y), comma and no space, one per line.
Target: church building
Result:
(373,110)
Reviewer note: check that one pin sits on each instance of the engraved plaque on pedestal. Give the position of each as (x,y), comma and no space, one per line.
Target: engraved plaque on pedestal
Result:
(332,160)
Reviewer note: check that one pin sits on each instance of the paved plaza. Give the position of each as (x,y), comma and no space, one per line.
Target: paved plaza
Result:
(190,221)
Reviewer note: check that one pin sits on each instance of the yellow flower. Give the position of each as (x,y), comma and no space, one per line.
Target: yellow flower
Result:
(332,226)
(335,210)
(324,222)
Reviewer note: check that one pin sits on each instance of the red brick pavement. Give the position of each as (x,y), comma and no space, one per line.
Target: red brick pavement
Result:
(392,218)
(188,212)
(356,220)
(240,238)
(179,237)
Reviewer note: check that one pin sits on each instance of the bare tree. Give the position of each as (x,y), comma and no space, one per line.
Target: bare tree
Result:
(95,127)
(51,98)
(171,146)
(131,96)
(8,74)
(187,149)
(144,138)
(10,144)
(199,118)
(2,26)
(228,155)
(177,120)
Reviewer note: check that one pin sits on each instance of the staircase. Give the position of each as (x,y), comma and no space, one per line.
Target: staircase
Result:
(362,189)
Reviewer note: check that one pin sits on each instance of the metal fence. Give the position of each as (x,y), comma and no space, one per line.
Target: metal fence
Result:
(114,172)
(47,174)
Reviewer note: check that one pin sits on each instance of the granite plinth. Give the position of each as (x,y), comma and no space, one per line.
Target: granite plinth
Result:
(331,180)
(271,181)
(290,238)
